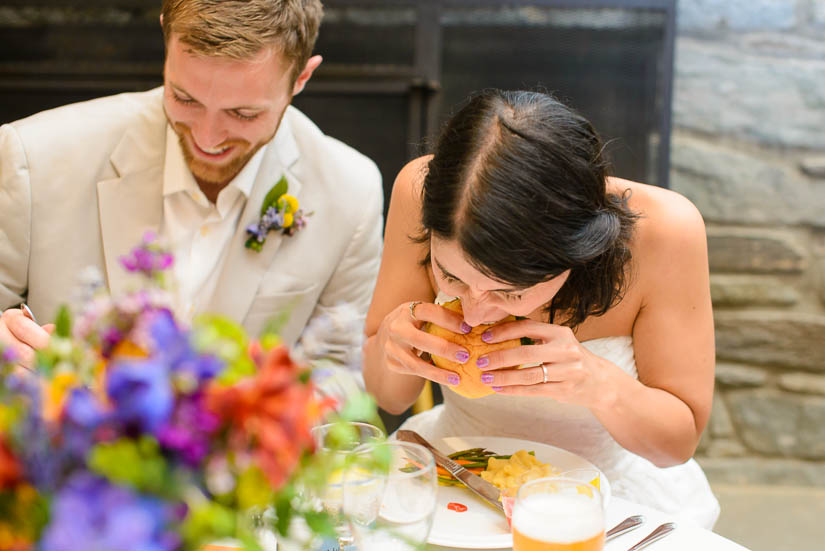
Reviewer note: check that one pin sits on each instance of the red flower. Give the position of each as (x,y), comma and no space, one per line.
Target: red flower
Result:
(11,472)
(271,413)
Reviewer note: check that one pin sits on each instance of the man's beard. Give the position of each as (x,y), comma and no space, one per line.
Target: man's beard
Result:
(212,174)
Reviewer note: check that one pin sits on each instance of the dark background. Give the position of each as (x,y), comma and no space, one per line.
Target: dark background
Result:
(393,70)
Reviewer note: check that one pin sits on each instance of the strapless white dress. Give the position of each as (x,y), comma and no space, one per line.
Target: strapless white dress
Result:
(682,491)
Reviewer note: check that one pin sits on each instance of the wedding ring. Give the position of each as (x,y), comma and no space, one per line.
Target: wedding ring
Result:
(544,370)
(413,304)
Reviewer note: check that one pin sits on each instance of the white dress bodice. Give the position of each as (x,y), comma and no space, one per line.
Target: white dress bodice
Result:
(682,490)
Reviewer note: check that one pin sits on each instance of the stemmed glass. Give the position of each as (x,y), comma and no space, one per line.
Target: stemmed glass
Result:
(339,442)
(390,496)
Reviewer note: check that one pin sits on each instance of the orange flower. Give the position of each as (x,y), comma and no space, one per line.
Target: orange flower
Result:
(271,413)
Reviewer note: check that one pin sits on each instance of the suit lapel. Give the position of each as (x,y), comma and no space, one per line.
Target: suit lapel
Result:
(132,203)
(243,269)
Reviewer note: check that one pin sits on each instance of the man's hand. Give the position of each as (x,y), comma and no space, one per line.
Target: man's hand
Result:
(24,336)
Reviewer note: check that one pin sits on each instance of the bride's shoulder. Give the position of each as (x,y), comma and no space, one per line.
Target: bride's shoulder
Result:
(668,223)
(411,177)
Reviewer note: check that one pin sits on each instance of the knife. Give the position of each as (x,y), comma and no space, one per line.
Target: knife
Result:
(478,485)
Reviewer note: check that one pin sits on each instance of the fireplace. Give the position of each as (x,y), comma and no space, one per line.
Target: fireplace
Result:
(393,69)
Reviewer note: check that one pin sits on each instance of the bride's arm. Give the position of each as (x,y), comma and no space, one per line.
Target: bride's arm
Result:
(662,415)
(392,371)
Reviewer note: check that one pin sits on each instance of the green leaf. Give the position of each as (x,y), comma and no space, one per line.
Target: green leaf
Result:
(361,407)
(283,510)
(271,199)
(134,463)
(320,523)
(254,244)
(63,322)
(275,324)
(207,522)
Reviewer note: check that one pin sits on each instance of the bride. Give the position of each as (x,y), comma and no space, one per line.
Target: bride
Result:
(515,214)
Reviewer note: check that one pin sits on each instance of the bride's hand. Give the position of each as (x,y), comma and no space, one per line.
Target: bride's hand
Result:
(567,371)
(403,340)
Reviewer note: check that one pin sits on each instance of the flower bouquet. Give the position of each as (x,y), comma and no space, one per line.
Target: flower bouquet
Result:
(137,433)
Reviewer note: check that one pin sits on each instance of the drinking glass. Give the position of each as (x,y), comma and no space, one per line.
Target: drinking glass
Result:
(339,442)
(585,474)
(558,514)
(391,504)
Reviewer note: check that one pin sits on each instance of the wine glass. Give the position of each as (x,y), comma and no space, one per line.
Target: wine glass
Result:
(558,513)
(338,441)
(390,496)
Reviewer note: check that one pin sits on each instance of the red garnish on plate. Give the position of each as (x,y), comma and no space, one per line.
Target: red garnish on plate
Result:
(457,507)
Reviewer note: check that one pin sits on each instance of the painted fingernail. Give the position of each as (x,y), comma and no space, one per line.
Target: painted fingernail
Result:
(483,361)
(465,327)
(453,379)
(487,378)
(487,336)
(496,388)
(462,356)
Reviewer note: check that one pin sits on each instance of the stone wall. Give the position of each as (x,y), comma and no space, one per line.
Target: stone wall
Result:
(748,148)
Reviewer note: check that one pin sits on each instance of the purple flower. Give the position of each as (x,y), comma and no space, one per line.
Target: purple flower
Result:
(147,257)
(141,393)
(173,348)
(189,430)
(257,231)
(90,513)
(272,219)
(9,356)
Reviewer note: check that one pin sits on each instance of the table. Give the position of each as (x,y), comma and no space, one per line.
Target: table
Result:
(688,536)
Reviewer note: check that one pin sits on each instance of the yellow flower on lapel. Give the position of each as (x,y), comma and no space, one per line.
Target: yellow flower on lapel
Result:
(279,211)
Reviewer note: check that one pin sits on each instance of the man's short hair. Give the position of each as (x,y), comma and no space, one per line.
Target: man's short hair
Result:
(239,29)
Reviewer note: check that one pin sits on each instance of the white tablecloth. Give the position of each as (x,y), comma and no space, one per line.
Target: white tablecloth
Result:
(687,536)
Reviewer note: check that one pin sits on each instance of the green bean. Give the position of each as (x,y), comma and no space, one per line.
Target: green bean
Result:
(462,453)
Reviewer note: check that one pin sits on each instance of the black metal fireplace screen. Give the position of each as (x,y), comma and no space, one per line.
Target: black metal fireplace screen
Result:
(393,69)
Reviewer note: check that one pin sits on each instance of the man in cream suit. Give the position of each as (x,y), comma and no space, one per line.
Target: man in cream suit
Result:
(193,161)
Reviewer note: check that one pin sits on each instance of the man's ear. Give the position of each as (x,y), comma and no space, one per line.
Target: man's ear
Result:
(161,20)
(303,77)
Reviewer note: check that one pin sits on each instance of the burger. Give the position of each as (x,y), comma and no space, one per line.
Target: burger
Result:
(470,385)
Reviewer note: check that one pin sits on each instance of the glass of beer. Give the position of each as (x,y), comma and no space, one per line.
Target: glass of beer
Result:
(558,514)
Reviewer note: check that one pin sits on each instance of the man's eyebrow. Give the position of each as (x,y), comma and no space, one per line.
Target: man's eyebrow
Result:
(180,90)
(445,273)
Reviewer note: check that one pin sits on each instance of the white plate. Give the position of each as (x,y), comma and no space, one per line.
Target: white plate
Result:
(481,526)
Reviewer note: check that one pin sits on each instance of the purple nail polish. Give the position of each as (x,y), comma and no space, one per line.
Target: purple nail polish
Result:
(462,356)
(496,388)
(487,336)
(453,379)
(487,378)
(465,327)
(483,361)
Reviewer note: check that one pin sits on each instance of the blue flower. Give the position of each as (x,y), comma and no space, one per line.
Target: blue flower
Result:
(83,415)
(141,393)
(90,512)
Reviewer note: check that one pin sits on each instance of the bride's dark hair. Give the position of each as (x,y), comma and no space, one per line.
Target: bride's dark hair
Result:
(518,179)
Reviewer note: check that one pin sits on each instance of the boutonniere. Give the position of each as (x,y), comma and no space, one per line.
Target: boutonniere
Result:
(279,211)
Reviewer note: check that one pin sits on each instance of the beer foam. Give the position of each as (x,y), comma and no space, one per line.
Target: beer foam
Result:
(558,518)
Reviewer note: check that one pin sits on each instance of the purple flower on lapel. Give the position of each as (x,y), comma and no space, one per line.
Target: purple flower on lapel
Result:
(279,211)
